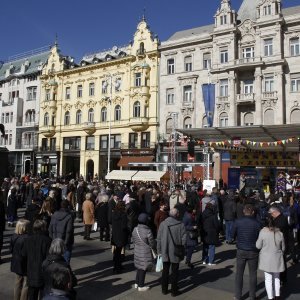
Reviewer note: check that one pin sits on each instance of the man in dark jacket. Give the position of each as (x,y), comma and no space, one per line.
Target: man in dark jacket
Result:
(229,210)
(32,212)
(246,231)
(61,226)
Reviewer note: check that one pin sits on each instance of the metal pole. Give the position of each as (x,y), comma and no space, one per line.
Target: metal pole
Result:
(208,163)
(109,130)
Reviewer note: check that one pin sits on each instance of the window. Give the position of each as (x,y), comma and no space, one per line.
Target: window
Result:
(118,84)
(91,115)
(79,91)
(133,140)
(169,125)
(46,119)
(90,143)
(115,141)
(267,10)
(11,117)
(295,116)
(103,142)
(104,87)
(171,66)
(248,52)
(268,47)
(248,119)
(92,89)
(67,118)
(188,67)
(170,96)
(223,20)
(224,55)
(6,117)
(248,86)
(269,84)
(223,120)
(269,117)
(78,117)
(204,122)
(187,94)
(48,95)
(187,123)
(31,93)
(145,142)
(136,109)
(206,61)
(138,79)
(118,113)
(295,82)
(0,96)
(72,143)
(10,139)
(103,114)
(2,118)
(68,93)
(224,87)
(295,46)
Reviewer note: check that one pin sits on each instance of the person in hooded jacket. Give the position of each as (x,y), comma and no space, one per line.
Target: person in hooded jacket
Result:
(62,226)
(18,262)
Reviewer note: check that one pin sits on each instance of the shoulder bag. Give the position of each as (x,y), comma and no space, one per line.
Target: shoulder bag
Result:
(179,250)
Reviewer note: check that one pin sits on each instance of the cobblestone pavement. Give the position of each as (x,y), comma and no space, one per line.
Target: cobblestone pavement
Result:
(92,263)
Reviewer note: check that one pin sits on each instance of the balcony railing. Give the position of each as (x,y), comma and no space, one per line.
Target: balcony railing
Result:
(26,146)
(49,149)
(143,145)
(270,95)
(48,130)
(247,60)
(89,127)
(245,97)
(139,124)
(222,99)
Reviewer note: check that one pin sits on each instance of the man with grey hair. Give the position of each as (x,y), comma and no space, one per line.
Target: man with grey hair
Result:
(171,234)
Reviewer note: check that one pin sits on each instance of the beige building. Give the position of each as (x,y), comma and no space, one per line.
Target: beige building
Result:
(112,94)
(251,56)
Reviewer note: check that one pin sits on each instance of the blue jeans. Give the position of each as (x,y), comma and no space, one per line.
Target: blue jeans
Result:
(67,255)
(228,225)
(208,254)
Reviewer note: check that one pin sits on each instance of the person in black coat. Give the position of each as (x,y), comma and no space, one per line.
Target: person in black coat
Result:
(2,225)
(132,211)
(35,250)
(101,213)
(32,212)
(229,210)
(12,207)
(18,262)
(119,234)
(210,233)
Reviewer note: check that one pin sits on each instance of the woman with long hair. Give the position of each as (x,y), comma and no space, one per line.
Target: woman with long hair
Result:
(271,261)
(45,213)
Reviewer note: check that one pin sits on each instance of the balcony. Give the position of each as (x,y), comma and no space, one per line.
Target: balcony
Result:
(139,124)
(49,149)
(47,131)
(89,127)
(245,98)
(51,103)
(24,145)
(269,95)
(223,99)
(246,62)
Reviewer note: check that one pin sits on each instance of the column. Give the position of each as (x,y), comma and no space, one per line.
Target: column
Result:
(258,97)
(280,114)
(232,115)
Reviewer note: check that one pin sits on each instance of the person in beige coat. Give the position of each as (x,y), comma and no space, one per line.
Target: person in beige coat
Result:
(271,261)
(88,209)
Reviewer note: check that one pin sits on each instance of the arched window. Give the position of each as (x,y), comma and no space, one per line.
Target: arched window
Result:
(248,119)
(46,119)
(269,117)
(91,115)
(78,117)
(104,114)
(188,67)
(295,116)
(67,118)
(223,120)
(136,109)
(187,123)
(142,48)
(118,113)
(33,115)
(169,125)
(204,122)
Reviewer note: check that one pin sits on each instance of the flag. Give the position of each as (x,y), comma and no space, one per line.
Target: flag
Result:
(208,91)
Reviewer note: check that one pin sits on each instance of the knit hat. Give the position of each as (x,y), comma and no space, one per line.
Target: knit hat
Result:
(143,218)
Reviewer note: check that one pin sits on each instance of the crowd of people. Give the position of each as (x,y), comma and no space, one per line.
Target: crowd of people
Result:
(150,219)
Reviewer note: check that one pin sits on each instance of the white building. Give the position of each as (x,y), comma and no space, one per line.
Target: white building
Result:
(19,107)
(253,58)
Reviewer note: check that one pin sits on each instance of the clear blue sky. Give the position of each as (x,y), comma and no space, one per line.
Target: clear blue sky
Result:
(85,26)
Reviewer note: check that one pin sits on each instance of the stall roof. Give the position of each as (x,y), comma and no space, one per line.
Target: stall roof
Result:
(125,160)
(266,133)
(121,174)
(135,175)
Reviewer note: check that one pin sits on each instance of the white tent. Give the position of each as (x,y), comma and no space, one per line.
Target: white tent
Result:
(121,175)
(135,175)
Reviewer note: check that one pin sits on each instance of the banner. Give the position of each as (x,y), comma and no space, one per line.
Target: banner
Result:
(208,91)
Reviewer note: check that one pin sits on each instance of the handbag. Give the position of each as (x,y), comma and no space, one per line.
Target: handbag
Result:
(179,250)
(159,264)
(152,251)
(95,226)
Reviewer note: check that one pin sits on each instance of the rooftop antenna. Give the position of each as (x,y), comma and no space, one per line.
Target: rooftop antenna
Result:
(144,15)
(56,39)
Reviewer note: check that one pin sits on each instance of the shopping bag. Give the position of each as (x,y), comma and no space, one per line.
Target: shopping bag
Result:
(95,226)
(159,264)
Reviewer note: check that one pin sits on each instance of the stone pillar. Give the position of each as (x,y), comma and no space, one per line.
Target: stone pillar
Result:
(258,97)
(280,106)
(232,100)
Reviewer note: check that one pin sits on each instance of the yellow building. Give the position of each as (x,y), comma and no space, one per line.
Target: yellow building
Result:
(111,93)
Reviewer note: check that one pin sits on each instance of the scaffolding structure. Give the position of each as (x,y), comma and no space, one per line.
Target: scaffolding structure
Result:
(173,138)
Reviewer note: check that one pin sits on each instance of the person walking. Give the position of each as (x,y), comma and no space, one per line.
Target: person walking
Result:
(18,262)
(271,261)
(88,209)
(144,244)
(170,234)
(246,231)
(12,206)
(229,210)
(102,216)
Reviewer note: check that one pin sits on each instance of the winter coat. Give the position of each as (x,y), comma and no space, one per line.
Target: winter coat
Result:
(119,229)
(12,205)
(132,210)
(31,214)
(229,209)
(18,262)
(272,247)
(102,214)
(61,226)
(160,216)
(165,245)
(239,210)
(2,216)
(189,224)
(143,242)
(210,227)
(88,209)
(36,248)
(111,206)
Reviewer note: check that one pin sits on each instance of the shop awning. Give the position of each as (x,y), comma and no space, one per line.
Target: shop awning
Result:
(125,160)
(148,176)
(121,175)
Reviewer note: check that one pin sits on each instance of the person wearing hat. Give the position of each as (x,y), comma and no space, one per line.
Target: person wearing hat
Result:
(144,244)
